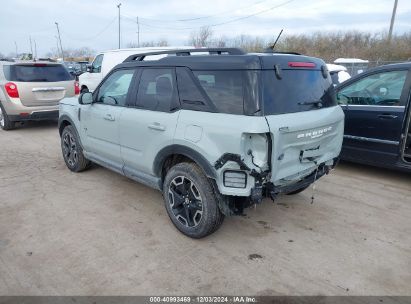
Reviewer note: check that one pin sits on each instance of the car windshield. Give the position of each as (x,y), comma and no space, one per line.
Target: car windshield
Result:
(37,73)
(296,90)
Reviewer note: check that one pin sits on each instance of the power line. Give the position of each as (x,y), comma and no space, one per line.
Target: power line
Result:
(94,36)
(204,17)
(252,15)
(215,24)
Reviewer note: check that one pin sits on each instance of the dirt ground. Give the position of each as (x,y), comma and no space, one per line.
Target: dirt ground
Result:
(98,233)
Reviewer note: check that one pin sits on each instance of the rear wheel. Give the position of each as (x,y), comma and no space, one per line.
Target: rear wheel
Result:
(72,151)
(5,122)
(190,201)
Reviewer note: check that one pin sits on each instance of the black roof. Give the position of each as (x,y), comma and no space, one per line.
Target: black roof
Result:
(218,59)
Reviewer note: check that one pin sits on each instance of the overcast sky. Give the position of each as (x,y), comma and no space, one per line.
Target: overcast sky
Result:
(93,23)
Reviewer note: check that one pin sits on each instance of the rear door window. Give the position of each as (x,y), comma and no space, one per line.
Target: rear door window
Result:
(36,73)
(297,90)
(224,88)
(157,90)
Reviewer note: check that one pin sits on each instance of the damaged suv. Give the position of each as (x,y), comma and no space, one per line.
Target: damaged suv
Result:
(216,130)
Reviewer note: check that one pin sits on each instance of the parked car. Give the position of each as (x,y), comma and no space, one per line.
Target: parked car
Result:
(32,90)
(214,133)
(354,65)
(105,61)
(338,73)
(376,104)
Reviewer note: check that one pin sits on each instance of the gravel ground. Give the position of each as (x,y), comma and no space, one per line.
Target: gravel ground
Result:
(98,233)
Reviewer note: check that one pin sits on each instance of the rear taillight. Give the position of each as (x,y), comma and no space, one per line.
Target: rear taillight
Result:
(76,88)
(296,64)
(11,89)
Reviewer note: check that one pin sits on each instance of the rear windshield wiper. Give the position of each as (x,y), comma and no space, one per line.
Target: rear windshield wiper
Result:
(317,103)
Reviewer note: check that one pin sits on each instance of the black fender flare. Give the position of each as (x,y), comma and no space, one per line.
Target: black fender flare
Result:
(64,118)
(187,152)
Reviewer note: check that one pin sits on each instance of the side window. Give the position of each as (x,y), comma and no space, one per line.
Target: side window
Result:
(114,89)
(190,96)
(96,65)
(156,90)
(381,89)
(224,88)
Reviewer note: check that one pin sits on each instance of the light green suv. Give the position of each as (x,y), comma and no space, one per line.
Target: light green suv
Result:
(216,130)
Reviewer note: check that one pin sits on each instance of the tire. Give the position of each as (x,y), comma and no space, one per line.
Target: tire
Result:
(72,150)
(298,190)
(190,201)
(5,122)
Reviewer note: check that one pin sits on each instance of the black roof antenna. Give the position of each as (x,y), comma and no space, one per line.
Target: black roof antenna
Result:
(271,47)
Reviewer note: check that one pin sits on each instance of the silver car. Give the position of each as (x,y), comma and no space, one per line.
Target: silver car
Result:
(32,91)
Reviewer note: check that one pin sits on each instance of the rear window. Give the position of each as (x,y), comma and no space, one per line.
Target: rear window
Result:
(298,90)
(34,73)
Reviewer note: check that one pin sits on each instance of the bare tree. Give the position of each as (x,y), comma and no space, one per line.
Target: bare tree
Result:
(201,38)
(72,53)
(161,42)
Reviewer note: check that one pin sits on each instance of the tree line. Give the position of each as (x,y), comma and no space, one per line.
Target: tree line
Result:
(327,45)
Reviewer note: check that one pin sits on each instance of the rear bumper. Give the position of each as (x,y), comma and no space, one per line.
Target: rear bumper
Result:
(36,115)
(305,182)
(273,191)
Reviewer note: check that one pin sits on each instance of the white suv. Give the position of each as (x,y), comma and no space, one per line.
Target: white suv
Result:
(105,61)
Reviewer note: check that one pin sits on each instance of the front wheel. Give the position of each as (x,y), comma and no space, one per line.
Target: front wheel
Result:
(72,151)
(190,201)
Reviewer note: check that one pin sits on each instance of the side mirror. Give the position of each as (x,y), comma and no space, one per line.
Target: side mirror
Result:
(89,68)
(85,98)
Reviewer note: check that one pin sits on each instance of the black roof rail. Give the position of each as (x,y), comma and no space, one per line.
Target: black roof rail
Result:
(187,52)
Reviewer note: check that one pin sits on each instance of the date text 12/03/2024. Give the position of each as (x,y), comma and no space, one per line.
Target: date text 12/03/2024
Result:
(204,299)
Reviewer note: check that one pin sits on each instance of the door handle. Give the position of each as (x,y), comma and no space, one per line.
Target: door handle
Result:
(157,126)
(387,116)
(109,117)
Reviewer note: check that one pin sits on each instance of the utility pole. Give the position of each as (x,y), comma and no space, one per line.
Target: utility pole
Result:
(119,27)
(17,53)
(35,49)
(394,12)
(57,43)
(138,33)
(61,46)
(31,48)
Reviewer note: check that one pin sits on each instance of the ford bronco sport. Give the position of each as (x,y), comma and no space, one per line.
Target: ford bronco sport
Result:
(216,130)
